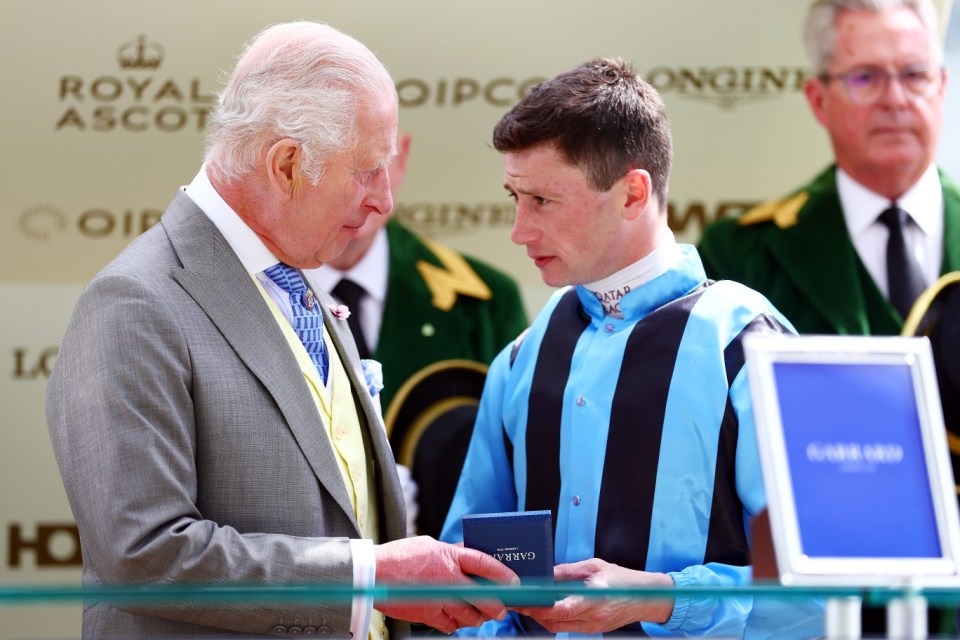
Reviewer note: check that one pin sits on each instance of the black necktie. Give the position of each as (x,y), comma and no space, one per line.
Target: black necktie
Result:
(903,273)
(350,293)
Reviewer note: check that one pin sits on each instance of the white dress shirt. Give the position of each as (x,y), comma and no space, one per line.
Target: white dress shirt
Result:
(635,275)
(370,272)
(924,235)
(255,257)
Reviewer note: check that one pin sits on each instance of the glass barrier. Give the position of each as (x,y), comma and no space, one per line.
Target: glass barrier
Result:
(842,604)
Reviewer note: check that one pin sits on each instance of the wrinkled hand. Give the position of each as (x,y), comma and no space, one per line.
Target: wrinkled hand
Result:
(584,614)
(423,560)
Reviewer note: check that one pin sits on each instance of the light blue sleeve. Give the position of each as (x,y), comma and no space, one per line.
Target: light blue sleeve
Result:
(706,615)
(486,482)
(769,617)
(725,616)
(493,628)
(786,619)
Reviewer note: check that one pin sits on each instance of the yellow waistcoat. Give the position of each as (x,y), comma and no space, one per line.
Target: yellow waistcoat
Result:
(340,420)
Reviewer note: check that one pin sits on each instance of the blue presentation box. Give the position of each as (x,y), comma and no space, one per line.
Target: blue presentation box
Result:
(523,541)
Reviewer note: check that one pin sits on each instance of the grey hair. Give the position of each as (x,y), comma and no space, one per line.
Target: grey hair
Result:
(820,32)
(301,80)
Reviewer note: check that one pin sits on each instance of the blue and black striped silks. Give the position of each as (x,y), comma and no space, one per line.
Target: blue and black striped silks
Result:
(637,433)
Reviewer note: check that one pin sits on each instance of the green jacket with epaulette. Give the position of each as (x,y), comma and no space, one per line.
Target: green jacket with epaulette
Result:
(441,305)
(797,252)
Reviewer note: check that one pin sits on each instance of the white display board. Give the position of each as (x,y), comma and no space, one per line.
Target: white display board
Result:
(856,469)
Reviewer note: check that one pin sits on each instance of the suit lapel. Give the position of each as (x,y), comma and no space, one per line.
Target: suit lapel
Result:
(951,225)
(214,277)
(816,253)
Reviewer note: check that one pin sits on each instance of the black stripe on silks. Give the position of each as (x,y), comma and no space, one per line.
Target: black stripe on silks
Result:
(545,404)
(507,447)
(636,428)
(733,358)
(726,537)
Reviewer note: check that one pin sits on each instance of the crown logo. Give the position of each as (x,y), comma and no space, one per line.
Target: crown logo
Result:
(140,54)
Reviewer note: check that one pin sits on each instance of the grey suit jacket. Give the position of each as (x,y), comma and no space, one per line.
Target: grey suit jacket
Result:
(191,448)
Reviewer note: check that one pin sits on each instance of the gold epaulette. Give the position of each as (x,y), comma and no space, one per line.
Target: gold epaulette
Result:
(456,276)
(782,212)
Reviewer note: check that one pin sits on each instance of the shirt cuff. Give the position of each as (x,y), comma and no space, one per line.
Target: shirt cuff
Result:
(681,605)
(364,577)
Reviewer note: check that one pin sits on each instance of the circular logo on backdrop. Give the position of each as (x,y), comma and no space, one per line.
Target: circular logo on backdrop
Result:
(41,221)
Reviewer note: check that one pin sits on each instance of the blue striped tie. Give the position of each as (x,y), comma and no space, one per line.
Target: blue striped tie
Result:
(307,320)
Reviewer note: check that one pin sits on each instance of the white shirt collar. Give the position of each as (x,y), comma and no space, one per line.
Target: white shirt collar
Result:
(248,246)
(923,201)
(370,272)
(651,266)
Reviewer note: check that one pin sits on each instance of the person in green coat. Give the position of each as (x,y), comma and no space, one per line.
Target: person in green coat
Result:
(825,255)
(820,254)
(434,318)
(797,251)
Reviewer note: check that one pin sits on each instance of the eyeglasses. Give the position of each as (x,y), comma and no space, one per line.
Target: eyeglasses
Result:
(866,85)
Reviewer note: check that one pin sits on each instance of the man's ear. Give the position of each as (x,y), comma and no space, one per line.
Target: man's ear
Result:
(639,189)
(816,92)
(283,166)
(398,165)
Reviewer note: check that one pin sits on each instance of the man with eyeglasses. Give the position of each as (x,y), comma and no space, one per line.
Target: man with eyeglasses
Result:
(850,252)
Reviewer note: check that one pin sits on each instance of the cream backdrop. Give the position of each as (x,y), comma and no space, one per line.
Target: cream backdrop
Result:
(102,116)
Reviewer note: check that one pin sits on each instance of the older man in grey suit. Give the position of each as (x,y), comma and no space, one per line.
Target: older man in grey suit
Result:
(206,431)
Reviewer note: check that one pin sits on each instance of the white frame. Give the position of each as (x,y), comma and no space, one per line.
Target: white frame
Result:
(794,567)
